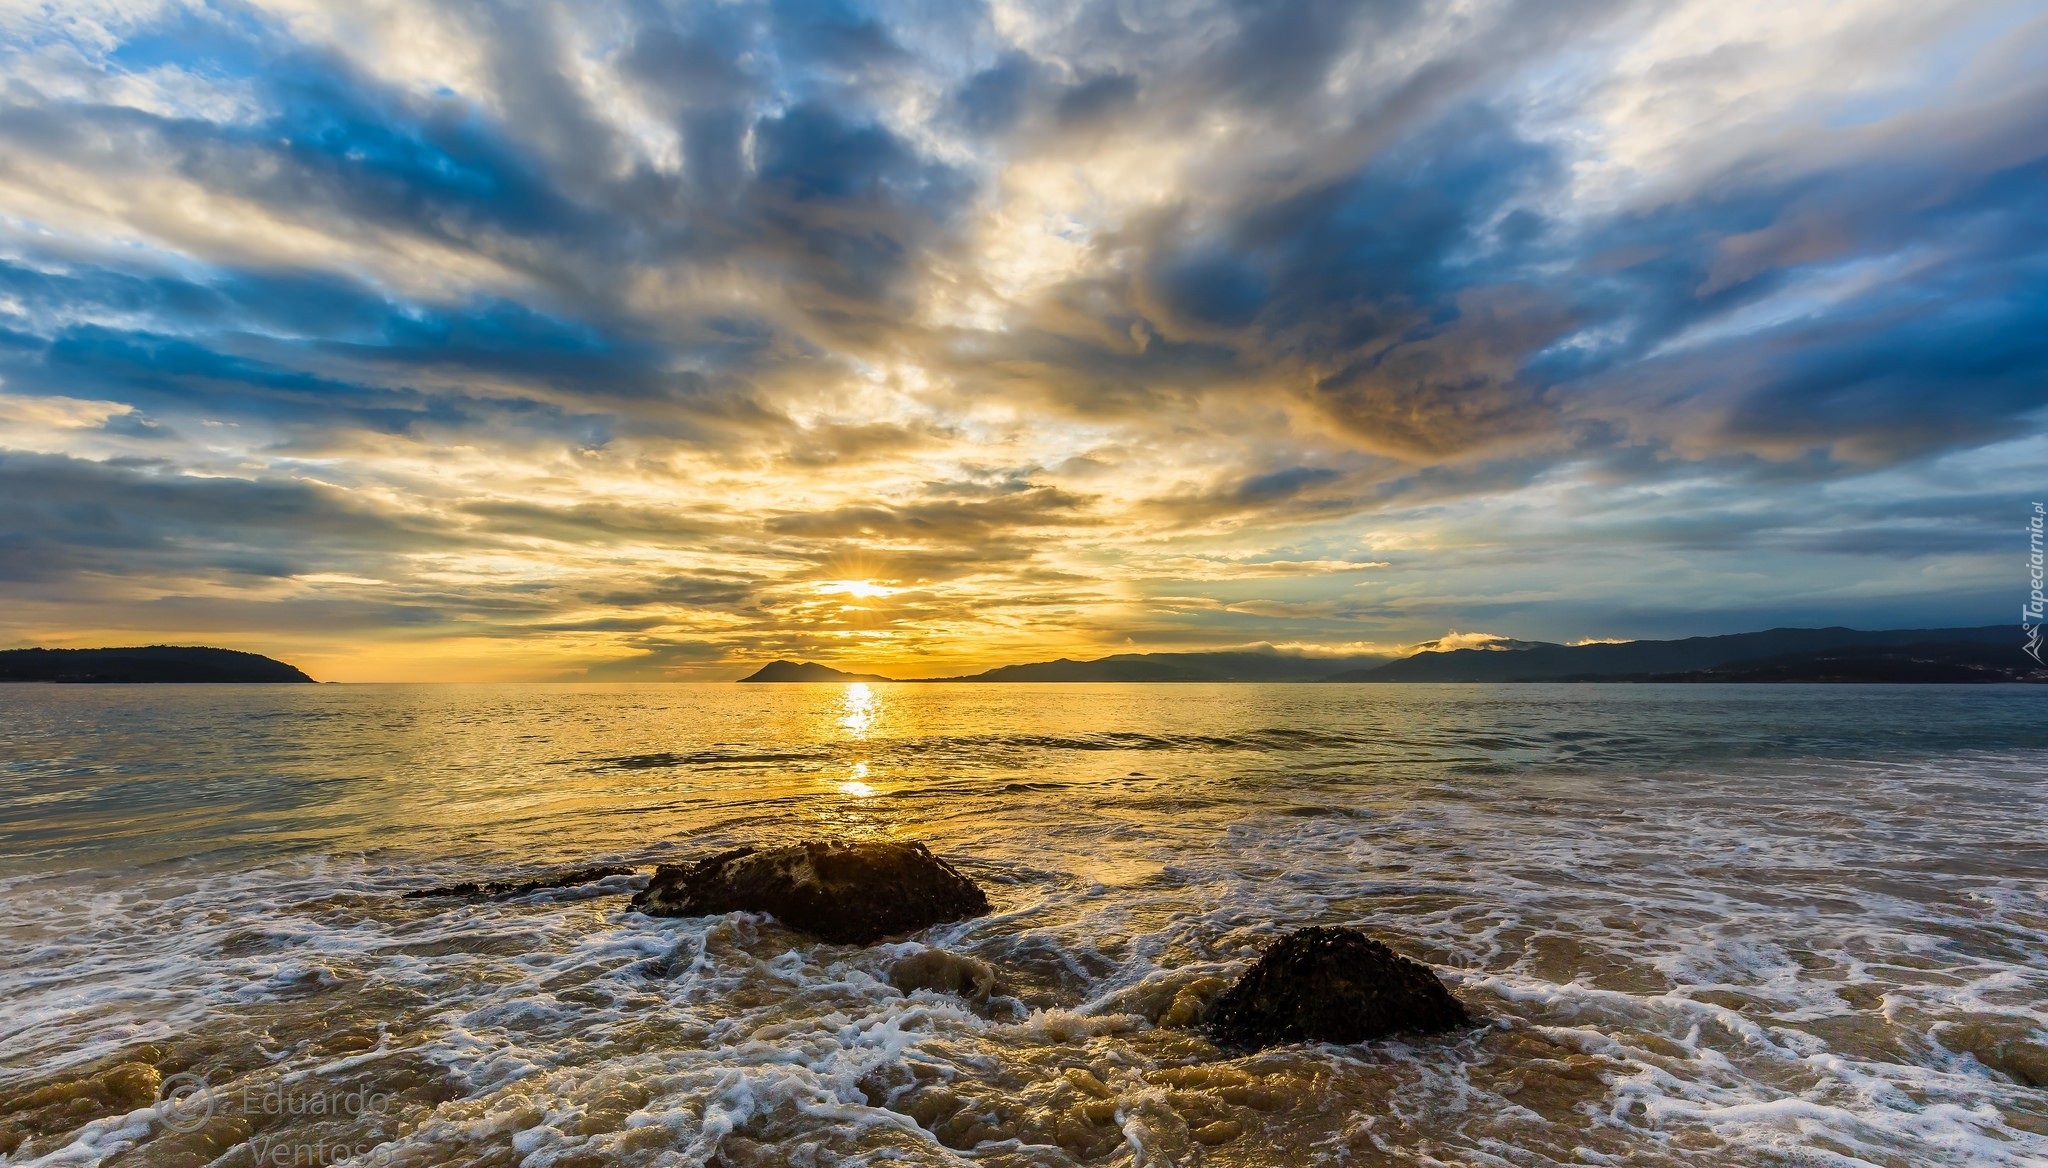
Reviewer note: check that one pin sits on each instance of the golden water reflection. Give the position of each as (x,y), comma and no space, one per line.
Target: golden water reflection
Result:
(859,710)
(856,784)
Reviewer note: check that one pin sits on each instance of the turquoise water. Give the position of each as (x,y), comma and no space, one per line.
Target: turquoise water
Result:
(1705,925)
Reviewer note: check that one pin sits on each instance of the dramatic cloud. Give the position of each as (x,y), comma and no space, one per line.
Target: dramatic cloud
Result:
(656,339)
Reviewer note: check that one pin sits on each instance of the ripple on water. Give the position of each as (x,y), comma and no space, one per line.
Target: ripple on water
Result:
(1803,962)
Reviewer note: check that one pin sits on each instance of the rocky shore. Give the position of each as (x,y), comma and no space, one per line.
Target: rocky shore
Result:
(1316,984)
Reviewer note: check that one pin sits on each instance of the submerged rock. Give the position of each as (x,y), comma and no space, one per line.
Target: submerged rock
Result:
(1174,999)
(2002,1045)
(849,893)
(500,889)
(1332,985)
(1192,1003)
(947,973)
(39,1116)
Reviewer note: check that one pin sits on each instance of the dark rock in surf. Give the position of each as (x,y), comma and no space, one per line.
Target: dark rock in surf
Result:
(502,889)
(1332,985)
(848,893)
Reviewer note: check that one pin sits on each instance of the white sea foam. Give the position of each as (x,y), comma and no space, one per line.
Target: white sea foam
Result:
(1810,962)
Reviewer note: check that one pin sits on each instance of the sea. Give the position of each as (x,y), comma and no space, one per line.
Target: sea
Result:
(1694,925)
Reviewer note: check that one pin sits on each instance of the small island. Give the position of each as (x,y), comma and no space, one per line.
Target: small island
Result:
(807,671)
(145,664)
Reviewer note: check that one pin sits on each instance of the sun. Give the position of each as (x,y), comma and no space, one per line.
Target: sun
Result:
(865,589)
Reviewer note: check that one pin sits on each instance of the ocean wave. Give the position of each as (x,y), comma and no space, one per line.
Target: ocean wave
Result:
(1811,960)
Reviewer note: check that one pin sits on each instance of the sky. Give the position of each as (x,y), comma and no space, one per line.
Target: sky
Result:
(630,339)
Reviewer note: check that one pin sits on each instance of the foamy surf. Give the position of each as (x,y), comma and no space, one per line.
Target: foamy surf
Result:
(1805,961)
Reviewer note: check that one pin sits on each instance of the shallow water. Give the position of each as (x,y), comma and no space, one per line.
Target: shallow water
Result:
(1701,925)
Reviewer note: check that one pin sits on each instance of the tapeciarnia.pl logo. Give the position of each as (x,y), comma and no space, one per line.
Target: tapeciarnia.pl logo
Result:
(2031,614)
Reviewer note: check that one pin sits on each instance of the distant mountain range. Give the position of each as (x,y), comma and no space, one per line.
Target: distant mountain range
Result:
(1234,666)
(1252,666)
(1787,654)
(1990,654)
(147,663)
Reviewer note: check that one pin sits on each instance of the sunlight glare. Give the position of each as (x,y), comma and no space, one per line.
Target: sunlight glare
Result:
(854,784)
(861,707)
(865,589)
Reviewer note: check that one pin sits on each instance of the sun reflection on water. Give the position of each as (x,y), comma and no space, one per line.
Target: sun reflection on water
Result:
(855,783)
(860,707)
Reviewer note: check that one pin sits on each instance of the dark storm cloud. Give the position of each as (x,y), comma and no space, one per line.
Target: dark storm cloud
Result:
(1896,384)
(702,590)
(1399,298)
(1386,288)
(1096,98)
(1899,295)
(652,655)
(836,291)
(830,208)
(992,100)
(1433,303)
(321,351)
(1417,297)
(60,517)
(1282,52)
(161,372)
(934,539)
(846,202)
